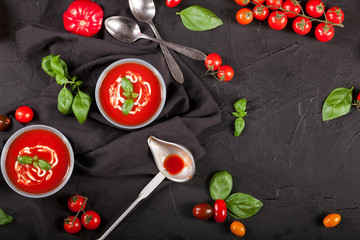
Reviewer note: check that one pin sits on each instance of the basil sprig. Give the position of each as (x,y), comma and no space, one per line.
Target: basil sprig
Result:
(4,218)
(240,205)
(34,161)
(128,88)
(197,18)
(55,67)
(240,107)
(337,104)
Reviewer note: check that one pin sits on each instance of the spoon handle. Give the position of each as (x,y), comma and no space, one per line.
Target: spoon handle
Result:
(170,61)
(143,194)
(187,51)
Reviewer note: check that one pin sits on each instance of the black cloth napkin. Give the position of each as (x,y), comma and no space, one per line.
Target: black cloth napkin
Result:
(111,165)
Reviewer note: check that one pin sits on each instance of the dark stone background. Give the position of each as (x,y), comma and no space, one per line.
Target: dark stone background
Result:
(300,167)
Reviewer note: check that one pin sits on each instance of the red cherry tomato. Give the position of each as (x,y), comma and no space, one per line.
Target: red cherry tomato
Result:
(315,8)
(335,15)
(213,61)
(225,73)
(83,17)
(324,32)
(70,227)
(172,3)
(24,114)
(260,12)
(5,122)
(203,211)
(302,25)
(331,220)
(358,97)
(277,20)
(244,16)
(292,6)
(258,2)
(237,228)
(242,2)
(275,3)
(75,203)
(220,211)
(90,220)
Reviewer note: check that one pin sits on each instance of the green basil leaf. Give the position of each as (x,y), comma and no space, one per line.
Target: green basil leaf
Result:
(126,85)
(46,65)
(197,18)
(4,218)
(74,78)
(35,164)
(337,104)
(56,66)
(242,205)
(134,95)
(239,126)
(81,106)
(25,159)
(220,185)
(127,94)
(60,79)
(127,106)
(64,66)
(44,165)
(65,100)
(73,86)
(240,105)
(78,83)
(236,114)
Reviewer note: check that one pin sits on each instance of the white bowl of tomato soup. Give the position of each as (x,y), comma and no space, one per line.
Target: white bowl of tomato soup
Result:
(37,161)
(148,99)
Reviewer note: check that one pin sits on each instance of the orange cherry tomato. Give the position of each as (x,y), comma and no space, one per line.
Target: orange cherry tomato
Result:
(244,16)
(331,220)
(237,228)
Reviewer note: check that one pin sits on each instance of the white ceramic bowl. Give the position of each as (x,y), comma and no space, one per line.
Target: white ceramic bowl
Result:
(6,149)
(120,62)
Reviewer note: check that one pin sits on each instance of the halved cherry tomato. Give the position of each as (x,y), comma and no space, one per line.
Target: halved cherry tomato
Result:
(225,73)
(242,2)
(315,8)
(277,20)
(292,6)
(244,16)
(237,228)
(324,32)
(5,122)
(70,227)
(203,211)
(335,15)
(302,25)
(275,3)
(75,203)
(220,211)
(90,220)
(24,114)
(331,220)
(172,3)
(260,12)
(213,61)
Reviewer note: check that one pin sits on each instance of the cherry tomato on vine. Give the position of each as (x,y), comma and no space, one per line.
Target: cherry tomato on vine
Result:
(315,8)
(277,20)
(242,2)
(24,114)
(237,228)
(75,202)
(331,220)
(172,3)
(302,25)
(70,227)
(275,3)
(203,211)
(258,2)
(90,220)
(225,73)
(260,12)
(358,97)
(335,15)
(5,122)
(244,16)
(213,61)
(293,6)
(324,32)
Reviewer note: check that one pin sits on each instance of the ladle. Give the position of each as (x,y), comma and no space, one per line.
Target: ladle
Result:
(126,30)
(160,150)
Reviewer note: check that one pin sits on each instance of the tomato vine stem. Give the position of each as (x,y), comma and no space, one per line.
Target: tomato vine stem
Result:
(81,209)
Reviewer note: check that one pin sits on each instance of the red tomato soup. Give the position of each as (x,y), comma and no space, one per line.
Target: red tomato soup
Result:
(46,146)
(145,83)
(174,164)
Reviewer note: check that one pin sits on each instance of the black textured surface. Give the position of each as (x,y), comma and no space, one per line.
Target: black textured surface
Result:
(299,166)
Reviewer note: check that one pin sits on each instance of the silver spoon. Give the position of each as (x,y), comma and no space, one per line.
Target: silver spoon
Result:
(160,150)
(144,11)
(126,30)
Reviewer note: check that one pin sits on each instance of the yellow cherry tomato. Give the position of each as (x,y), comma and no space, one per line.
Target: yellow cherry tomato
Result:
(237,228)
(331,220)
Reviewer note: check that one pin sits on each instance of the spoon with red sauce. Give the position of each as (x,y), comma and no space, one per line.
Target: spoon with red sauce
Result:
(174,162)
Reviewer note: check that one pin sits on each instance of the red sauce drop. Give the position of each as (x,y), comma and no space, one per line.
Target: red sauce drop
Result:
(174,164)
